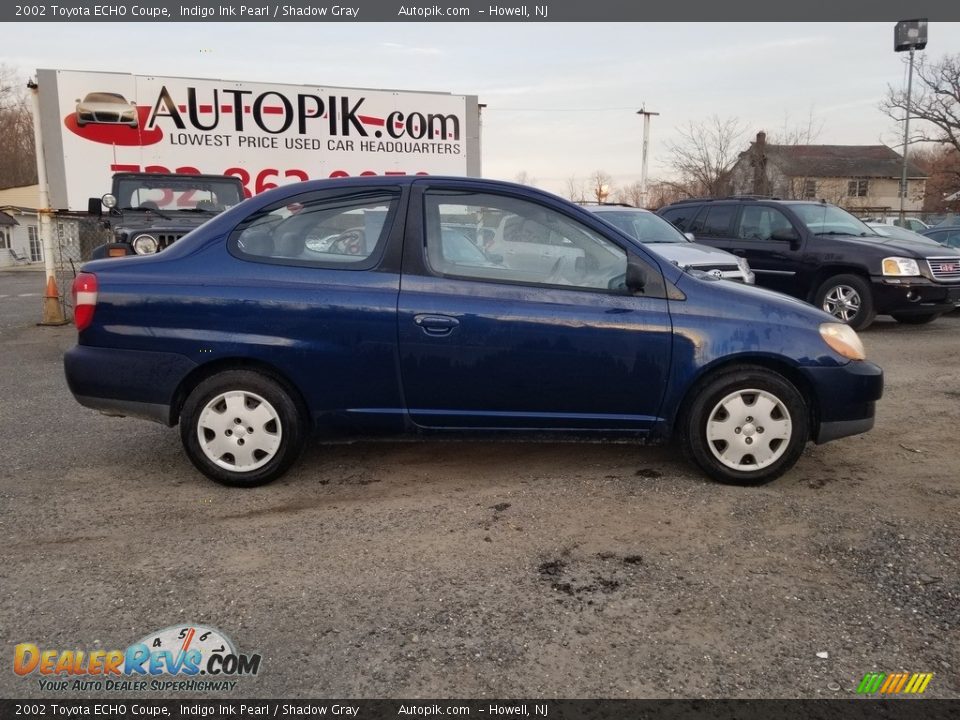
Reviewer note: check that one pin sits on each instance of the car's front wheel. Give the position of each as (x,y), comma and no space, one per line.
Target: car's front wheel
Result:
(241,428)
(746,426)
(848,298)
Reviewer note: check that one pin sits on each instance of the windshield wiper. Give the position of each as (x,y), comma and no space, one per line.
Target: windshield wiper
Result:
(149,210)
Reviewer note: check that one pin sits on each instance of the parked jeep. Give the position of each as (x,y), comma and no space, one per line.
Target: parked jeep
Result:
(147,212)
(822,254)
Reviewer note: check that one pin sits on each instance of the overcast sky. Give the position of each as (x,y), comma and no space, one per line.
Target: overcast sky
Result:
(561,98)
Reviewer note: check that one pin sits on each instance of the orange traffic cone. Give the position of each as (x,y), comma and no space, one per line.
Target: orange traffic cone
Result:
(52,309)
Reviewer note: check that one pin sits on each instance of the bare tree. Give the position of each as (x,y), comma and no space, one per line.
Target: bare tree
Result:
(632,194)
(524,178)
(18,155)
(576,192)
(601,185)
(704,155)
(942,166)
(935,101)
(803,132)
(663,192)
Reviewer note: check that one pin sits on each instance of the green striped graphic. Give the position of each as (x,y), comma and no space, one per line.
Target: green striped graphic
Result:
(871,682)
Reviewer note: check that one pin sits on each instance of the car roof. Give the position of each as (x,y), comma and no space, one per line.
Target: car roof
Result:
(745,199)
(614,208)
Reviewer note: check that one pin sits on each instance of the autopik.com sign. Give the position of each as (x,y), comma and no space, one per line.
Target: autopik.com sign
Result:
(96,124)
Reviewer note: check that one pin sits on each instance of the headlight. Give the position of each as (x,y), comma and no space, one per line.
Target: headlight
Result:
(145,245)
(109,201)
(843,339)
(899,266)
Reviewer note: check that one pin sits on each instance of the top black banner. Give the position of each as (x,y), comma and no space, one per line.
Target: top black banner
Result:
(476,11)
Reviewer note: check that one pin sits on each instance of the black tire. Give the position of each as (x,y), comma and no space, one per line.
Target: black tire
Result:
(782,440)
(916,319)
(254,451)
(830,298)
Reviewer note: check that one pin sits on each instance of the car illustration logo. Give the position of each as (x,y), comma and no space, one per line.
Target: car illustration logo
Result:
(106,108)
(717,274)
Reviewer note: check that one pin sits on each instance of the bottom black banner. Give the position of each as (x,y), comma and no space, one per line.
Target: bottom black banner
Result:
(866,709)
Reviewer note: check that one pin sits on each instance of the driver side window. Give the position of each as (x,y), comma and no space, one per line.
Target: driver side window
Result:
(331,232)
(761,223)
(499,238)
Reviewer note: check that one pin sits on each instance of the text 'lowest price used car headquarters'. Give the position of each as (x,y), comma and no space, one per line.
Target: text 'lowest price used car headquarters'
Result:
(369,306)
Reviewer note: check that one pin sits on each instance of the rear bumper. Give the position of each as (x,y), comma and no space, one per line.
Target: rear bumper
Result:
(846,398)
(126,382)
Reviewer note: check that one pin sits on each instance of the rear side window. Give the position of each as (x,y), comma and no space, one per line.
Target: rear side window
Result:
(347,231)
(682,216)
(718,221)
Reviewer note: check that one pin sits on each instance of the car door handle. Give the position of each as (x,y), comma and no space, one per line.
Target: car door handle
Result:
(436,325)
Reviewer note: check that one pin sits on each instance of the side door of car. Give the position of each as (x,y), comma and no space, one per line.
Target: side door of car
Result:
(319,276)
(559,345)
(773,246)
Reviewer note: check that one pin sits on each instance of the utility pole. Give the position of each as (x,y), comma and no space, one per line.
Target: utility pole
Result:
(52,308)
(646,151)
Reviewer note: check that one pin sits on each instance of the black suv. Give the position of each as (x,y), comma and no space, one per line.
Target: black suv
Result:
(822,254)
(147,212)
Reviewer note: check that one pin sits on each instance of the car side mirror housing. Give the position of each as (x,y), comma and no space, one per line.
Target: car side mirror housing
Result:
(689,236)
(636,279)
(95,207)
(790,235)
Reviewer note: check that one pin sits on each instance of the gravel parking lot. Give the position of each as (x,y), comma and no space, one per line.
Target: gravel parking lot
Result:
(485,569)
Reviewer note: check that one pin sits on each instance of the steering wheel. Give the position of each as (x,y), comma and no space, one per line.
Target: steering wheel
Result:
(349,242)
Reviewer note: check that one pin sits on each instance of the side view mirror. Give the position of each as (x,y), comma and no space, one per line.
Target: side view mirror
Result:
(785,235)
(95,207)
(689,236)
(636,278)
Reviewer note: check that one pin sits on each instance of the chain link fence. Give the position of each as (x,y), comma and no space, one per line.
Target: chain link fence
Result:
(75,235)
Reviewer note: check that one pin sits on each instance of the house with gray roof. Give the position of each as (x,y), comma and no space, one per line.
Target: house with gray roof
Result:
(864,179)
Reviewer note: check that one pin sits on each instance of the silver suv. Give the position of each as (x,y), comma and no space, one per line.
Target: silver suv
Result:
(663,238)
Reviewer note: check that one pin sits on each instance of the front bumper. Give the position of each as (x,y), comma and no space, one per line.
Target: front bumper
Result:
(914,295)
(846,398)
(126,382)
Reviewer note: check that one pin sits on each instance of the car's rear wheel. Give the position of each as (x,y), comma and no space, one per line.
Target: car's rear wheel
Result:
(746,426)
(916,319)
(241,428)
(848,298)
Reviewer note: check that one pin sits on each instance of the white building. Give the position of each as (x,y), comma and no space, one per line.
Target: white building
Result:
(19,226)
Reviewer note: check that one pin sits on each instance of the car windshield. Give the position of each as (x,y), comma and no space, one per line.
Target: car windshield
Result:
(824,219)
(181,193)
(643,226)
(104,98)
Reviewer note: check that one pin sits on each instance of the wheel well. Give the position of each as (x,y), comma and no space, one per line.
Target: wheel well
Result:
(827,272)
(790,373)
(198,375)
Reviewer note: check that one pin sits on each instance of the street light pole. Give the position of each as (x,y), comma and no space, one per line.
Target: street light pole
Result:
(906,140)
(646,147)
(908,35)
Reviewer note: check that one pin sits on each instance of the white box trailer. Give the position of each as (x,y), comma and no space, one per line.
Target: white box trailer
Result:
(96,124)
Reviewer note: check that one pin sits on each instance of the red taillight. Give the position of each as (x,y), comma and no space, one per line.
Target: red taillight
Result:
(84,300)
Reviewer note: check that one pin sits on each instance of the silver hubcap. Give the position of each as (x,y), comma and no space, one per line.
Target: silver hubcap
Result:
(239,431)
(842,302)
(749,430)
